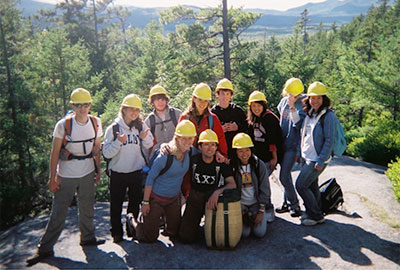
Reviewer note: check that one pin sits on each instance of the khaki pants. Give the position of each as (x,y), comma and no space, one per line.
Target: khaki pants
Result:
(85,189)
(148,231)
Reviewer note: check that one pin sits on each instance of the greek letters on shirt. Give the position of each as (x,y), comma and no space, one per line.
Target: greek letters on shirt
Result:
(132,139)
(204,179)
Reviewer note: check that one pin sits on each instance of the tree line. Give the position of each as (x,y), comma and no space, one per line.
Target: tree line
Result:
(89,44)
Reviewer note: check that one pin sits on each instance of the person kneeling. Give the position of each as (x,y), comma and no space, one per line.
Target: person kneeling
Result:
(252,179)
(205,190)
(162,189)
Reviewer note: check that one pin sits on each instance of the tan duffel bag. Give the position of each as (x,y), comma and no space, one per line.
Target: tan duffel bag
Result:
(223,227)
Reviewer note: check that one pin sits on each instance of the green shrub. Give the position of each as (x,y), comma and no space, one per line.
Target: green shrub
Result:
(378,144)
(393,173)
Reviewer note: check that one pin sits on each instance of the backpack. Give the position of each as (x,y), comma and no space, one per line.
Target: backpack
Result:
(339,140)
(153,120)
(64,153)
(331,196)
(168,164)
(115,129)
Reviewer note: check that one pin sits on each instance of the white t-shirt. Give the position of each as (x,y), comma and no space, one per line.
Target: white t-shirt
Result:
(308,150)
(248,192)
(77,168)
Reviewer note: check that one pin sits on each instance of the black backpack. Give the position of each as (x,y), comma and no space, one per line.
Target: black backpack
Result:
(331,196)
(153,123)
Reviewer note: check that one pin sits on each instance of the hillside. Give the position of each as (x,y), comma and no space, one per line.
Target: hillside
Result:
(272,21)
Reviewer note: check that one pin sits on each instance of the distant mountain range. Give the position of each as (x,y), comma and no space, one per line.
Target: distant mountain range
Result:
(271,22)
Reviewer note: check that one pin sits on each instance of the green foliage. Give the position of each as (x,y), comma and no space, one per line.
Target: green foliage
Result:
(379,144)
(393,173)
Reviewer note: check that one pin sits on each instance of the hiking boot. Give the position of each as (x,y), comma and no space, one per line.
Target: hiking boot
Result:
(118,238)
(270,215)
(296,212)
(283,208)
(311,222)
(130,228)
(92,242)
(40,256)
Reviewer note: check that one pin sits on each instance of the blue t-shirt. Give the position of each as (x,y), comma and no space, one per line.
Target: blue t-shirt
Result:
(168,184)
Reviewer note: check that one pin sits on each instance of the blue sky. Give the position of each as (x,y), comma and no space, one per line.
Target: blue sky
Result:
(264,4)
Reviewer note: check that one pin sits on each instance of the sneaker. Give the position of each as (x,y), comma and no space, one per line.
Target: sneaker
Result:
(296,212)
(283,208)
(130,228)
(38,258)
(92,242)
(118,238)
(311,222)
(270,215)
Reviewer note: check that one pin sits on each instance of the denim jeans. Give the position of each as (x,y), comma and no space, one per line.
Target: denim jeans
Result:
(285,176)
(307,187)
(258,231)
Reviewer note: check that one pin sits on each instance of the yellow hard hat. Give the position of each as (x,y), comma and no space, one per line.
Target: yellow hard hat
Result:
(132,101)
(185,128)
(224,84)
(256,96)
(316,89)
(293,86)
(202,91)
(80,95)
(157,90)
(242,140)
(208,136)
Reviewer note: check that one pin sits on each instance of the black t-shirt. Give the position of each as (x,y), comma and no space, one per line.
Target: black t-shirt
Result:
(234,114)
(264,132)
(205,176)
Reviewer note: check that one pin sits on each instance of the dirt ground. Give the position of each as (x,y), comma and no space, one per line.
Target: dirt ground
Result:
(365,232)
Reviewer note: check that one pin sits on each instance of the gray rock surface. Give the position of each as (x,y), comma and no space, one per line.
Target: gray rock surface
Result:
(357,236)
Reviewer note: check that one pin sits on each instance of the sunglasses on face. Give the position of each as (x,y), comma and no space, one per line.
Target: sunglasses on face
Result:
(80,105)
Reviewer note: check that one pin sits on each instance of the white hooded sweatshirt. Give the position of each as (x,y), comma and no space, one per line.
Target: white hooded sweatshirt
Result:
(127,157)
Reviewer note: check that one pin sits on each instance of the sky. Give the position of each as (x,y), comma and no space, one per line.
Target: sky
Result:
(263,4)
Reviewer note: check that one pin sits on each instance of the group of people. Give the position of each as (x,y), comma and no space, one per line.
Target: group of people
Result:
(174,158)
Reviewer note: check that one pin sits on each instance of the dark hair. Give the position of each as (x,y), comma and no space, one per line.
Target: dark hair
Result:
(192,112)
(235,161)
(224,90)
(251,117)
(158,96)
(326,103)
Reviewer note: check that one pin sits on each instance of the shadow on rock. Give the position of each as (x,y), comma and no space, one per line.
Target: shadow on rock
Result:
(95,258)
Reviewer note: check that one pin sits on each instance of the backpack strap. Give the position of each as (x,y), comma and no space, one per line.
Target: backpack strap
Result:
(210,122)
(173,117)
(141,145)
(170,159)
(115,129)
(152,123)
